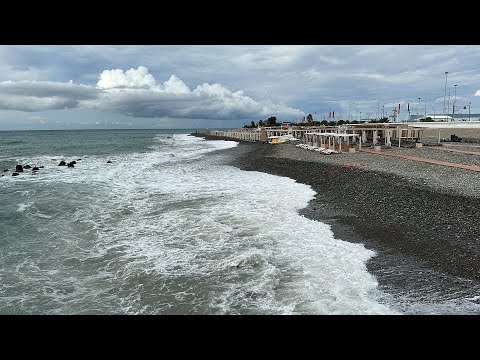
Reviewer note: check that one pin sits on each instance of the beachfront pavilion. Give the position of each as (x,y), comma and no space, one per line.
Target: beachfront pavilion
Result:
(334,141)
(386,133)
(376,133)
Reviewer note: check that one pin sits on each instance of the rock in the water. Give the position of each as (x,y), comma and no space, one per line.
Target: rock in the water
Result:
(109,162)
(41,167)
(27,167)
(35,169)
(5,170)
(15,174)
(73,162)
(62,163)
(79,159)
(70,164)
(19,168)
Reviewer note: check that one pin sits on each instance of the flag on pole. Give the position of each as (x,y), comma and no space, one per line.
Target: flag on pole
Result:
(333,114)
(408,107)
(398,108)
(329,114)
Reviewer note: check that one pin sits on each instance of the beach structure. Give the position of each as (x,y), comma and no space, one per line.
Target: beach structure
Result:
(334,141)
(342,137)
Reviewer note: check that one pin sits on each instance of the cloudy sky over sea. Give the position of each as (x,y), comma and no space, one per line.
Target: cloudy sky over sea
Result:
(197,86)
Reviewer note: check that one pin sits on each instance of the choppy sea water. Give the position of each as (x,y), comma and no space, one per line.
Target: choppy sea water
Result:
(165,228)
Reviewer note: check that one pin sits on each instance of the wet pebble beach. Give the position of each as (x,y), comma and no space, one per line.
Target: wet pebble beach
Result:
(421,219)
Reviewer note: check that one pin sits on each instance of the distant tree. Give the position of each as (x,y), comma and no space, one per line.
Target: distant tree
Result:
(324,122)
(260,123)
(354,122)
(332,123)
(340,122)
(428,119)
(309,118)
(272,121)
(252,124)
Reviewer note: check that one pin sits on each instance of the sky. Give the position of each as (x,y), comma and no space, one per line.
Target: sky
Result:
(222,86)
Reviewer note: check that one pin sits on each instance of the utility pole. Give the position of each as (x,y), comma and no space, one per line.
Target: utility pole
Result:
(469,103)
(349,111)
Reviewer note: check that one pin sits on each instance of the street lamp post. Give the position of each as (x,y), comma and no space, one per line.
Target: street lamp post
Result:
(448,100)
(418,112)
(445,95)
(425,109)
(454,100)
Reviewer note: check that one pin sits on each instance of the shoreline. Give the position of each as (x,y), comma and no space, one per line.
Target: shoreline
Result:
(425,237)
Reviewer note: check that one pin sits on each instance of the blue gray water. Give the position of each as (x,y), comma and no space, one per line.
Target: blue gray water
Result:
(165,228)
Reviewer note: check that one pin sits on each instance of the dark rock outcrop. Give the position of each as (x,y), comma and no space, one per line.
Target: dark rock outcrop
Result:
(35,169)
(109,162)
(27,167)
(62,163)
(15,174)
(70,164)
(19,168)
(5,170)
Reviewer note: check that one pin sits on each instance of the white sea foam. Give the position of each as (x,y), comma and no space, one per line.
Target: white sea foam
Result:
(171,234)
(23,206)
(197,222)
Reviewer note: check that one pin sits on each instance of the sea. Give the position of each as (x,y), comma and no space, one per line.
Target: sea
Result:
(156,222)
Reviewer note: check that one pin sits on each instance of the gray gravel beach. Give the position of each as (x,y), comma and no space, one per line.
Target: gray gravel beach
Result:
(421,219)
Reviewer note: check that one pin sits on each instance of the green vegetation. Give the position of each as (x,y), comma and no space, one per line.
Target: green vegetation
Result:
(428,119)
(382,120)
(271,121)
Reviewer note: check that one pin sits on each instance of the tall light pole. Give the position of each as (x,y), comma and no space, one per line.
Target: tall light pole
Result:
(425,109)
(448,101)
(445,95)
(454,99)
(418,112)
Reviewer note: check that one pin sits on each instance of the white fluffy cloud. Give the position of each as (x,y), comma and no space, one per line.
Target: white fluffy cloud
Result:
(136,93)
(130,78)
